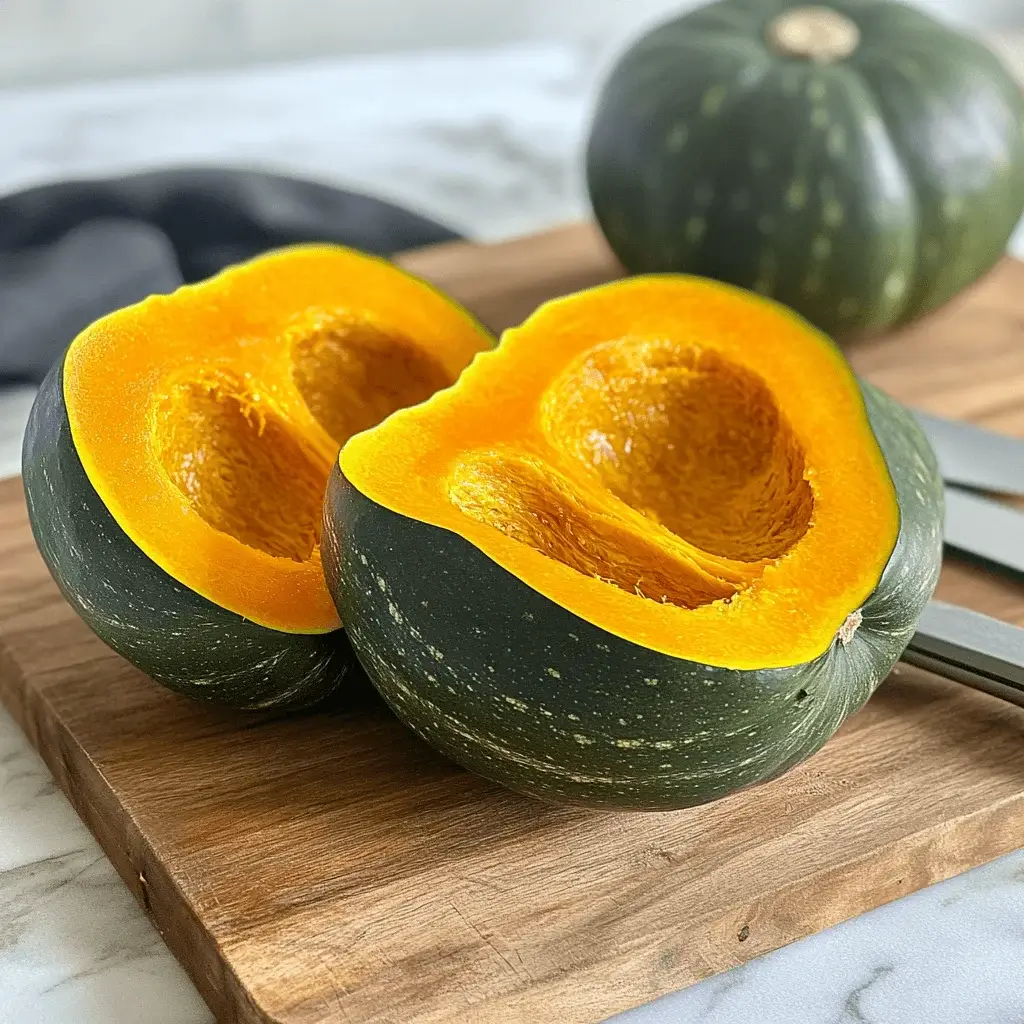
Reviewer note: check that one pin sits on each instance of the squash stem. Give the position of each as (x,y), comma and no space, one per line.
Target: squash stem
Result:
(819,34)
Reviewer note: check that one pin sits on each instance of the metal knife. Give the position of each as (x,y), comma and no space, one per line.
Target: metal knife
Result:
(955,642)
(971,648)
(985,528)
(974,457)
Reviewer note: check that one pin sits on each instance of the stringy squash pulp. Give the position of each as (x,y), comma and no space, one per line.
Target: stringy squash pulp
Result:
(682,464)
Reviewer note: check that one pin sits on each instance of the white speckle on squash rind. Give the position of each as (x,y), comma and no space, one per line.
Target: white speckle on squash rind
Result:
(833,213)
(895,285)
(712,101)
(836,141)
(816,90)
(695,228)
(677,138)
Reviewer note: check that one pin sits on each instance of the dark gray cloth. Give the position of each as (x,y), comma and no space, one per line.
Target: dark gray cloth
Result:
(72,252)
(48,293)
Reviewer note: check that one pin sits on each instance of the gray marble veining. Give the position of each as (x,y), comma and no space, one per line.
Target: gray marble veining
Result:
(74,946)
(499,158)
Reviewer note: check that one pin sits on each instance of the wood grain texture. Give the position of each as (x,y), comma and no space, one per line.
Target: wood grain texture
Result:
(329,867)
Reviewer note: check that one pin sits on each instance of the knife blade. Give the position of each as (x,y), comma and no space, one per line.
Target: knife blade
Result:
(971,648)
(985,528)
(975,457)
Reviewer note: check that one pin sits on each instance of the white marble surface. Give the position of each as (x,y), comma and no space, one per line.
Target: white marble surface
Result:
(488,142)
(50,40)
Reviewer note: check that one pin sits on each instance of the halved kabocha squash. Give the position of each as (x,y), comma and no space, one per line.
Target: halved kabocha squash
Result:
(176,458)
(654,547)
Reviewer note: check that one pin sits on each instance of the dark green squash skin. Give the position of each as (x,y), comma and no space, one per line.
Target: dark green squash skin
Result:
(862,193)
(173,634)
(522,691)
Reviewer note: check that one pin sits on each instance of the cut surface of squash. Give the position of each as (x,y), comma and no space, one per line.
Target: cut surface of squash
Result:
(208,420)
(680,463)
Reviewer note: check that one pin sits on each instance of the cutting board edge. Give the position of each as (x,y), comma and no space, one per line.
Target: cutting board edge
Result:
(115,830)
(723,929)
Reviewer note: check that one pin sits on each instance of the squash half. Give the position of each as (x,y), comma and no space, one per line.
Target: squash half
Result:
(176,459)
(654,547)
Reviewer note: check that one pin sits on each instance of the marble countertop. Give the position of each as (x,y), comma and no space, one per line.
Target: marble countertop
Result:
(497,159)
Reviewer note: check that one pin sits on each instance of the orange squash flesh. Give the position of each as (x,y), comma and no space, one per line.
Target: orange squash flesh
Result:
(683,464)
(208,420)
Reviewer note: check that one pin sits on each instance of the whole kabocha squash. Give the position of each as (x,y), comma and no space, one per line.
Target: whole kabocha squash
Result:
(175,462)
(857,161)
(654,547)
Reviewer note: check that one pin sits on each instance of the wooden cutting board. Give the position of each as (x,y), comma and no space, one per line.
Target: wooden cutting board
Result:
(330,867)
